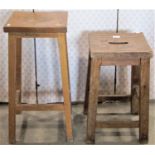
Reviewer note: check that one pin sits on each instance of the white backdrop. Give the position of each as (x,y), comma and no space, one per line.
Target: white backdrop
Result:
(80,22)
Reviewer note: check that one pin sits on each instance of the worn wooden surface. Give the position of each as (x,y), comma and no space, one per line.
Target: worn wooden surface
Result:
(117,124)
(135,81)
(39,107)
(136,52)
(62,42)
(87,87)
(93,99)
(112,97)
(18,63)
(144,99)
(37,22)
(137,46)
(119,61)
(37,25)
(34,35)
(18,69)
(12,88)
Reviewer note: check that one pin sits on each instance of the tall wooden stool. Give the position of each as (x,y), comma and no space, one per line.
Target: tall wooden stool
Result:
(34,25)
(108,48)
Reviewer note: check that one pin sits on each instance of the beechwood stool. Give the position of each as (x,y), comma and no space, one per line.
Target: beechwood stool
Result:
(36,25)
(120,49)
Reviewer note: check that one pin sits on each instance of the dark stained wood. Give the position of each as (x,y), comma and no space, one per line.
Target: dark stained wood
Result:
(122,114)
(42,22)
(93,99)
(137,46)
(135,80)
(117,124)
(144,99)
(87,87)
(18,63)
(116,97)
(18,69)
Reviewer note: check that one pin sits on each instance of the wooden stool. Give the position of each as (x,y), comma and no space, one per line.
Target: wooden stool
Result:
(33,25)
(108,48)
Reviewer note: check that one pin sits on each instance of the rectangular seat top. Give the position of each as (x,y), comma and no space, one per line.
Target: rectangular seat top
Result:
(118,45)
(40,22)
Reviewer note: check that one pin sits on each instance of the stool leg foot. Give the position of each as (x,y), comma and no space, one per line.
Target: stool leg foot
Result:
(65,83)
(70,140)
(90,141)
(143,139)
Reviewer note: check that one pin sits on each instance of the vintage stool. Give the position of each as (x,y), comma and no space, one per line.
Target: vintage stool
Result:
(108,48)
(33,25)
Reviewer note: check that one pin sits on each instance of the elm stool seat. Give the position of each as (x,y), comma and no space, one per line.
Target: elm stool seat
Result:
(120,49)
(33,25)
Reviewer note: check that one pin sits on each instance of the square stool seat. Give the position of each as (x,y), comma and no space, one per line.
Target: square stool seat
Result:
(41,22)
(119,45)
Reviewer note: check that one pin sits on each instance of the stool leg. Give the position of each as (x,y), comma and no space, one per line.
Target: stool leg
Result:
(12,88)
(87,88)
(18,71)
(93,98)
(135,74)
(65,83)
(144,99)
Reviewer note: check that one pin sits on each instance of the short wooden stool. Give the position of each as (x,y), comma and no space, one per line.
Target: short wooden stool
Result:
(34,25)
(108,48)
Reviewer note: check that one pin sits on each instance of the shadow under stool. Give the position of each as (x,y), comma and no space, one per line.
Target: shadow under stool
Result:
(120,49)
(36,25)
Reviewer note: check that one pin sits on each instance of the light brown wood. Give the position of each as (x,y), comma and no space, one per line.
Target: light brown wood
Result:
(93,99)
(119,62)
(117,124)
(34,35)
(42,25)
(144,99)
(135,80)
(137,46)
(18,100)
(12,88)
(39,107)
(18,97)
(108,50)
(42,22)
(65,83)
